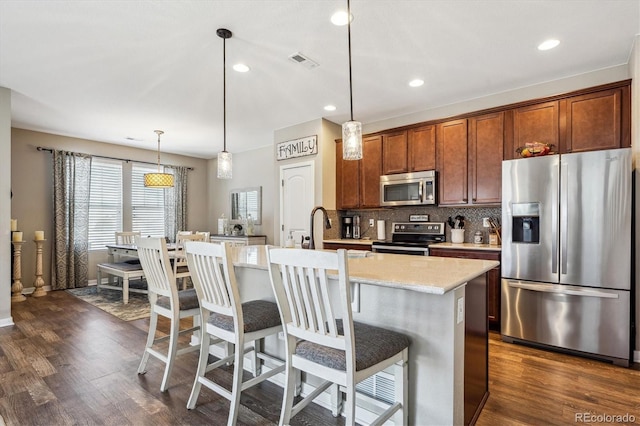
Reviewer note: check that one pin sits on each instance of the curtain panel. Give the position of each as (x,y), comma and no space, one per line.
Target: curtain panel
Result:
(71,185)
(175,202)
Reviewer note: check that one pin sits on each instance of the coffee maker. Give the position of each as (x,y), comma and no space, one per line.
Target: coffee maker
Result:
(356,227)
(347,227)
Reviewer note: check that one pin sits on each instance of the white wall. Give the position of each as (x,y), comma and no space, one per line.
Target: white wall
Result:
(251,168)
(5,208)
(550,88)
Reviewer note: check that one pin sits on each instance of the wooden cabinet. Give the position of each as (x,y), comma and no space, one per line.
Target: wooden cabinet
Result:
(370,171)
(412,150)
(594,121)
(535,123)
(486,149)
(452,158)
(347,181)
(358,182)
(493,277)
(422,148)
(395,153)
(346,246)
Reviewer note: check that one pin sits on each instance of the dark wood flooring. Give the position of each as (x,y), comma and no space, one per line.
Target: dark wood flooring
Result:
(67,362)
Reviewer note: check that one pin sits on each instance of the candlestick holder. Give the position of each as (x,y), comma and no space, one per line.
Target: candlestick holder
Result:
(16,287)
(39,282)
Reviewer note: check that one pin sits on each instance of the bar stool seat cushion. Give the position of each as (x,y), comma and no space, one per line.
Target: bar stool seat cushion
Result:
(188,299)
(373,345)
(257,315)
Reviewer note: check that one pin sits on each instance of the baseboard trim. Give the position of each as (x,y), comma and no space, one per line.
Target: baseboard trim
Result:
(636,356)
(6,322)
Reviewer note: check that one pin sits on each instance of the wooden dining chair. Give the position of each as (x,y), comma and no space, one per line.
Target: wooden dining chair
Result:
(321,337)
(180,267)
(165,300)
(225,319)
(206,234)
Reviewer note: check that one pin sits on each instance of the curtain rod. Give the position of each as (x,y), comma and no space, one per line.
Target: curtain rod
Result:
(42,148)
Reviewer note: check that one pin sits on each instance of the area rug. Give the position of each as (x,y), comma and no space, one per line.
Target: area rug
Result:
(111,301)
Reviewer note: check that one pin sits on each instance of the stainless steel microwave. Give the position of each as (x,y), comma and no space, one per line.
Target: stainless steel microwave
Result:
(408,189)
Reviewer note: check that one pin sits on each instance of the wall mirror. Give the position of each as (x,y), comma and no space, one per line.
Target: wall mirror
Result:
(245,202)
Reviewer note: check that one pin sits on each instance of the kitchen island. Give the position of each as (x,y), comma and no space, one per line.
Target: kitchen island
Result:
(440,303)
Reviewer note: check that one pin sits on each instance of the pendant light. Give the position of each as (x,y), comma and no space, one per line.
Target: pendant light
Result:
(159,179)
(351,130)
(225,165)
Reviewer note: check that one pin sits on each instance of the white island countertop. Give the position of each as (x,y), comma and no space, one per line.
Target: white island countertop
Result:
(424,274)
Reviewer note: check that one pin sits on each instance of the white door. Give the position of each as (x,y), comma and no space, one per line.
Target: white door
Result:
(296,201)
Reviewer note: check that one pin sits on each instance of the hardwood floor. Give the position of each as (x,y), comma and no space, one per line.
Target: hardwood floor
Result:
(67,362)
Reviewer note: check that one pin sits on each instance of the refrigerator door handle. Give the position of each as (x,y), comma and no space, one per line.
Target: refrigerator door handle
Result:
(554,288)
(554,221)
(564,214)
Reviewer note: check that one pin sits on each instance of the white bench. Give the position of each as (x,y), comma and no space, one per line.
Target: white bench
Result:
(124,270)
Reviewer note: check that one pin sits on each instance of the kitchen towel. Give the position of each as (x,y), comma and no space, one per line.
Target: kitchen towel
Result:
(381,230)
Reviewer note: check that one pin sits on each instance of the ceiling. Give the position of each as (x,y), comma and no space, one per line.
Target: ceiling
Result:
(116,70)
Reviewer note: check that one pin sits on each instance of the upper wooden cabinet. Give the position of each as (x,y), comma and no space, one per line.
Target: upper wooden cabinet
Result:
(486,148)
(370,171)
(452,156)
(412,150)
(358,182)
(595,121)
(395,153)
(535,123)
(347,181)
(422,148)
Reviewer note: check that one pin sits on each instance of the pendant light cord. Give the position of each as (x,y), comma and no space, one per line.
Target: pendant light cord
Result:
(224,94)
(349,42)
(158,132)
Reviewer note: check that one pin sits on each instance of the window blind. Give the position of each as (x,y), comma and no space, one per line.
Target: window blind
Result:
(147,204)
(105,202)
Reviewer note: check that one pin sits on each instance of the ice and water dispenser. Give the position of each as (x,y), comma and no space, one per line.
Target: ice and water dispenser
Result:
(526,223)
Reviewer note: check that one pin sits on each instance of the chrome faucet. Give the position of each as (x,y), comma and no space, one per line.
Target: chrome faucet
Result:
(327,224)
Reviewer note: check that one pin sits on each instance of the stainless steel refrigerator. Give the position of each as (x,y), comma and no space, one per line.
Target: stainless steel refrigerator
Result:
(566,252)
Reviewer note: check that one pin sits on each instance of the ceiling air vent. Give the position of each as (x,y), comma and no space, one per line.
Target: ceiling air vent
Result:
(299,58)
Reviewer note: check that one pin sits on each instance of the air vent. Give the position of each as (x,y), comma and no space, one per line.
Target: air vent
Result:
(299,58)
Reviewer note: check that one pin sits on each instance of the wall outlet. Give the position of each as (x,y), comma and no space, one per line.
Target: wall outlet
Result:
(485,222)
(371,223)
(281,335)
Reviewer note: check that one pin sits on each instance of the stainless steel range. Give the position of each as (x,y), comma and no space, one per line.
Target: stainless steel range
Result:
(411,238)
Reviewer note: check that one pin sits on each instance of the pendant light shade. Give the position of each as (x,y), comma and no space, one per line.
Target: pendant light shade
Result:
(352,140)
(159,179)
(351,130)
(225,164)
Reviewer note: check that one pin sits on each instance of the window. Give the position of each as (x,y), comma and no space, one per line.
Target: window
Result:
(105,202)
(147,204)
(108,197)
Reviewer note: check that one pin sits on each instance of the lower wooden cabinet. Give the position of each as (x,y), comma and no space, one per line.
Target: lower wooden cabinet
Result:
(493,277)
(346,246)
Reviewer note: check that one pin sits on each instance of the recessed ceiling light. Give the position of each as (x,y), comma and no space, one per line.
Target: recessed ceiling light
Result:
(330,108)
(340,18)
(416,83)
(241,68)
(548,44)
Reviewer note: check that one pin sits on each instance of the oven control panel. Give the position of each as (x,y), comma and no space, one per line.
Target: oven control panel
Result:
(430,228)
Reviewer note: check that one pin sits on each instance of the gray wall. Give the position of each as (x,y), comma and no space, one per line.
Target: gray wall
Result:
(32,183)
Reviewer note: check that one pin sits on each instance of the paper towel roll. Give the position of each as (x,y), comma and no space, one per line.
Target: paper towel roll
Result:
(381,230)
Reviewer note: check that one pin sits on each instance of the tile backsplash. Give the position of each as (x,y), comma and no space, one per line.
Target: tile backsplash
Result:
(472,219)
